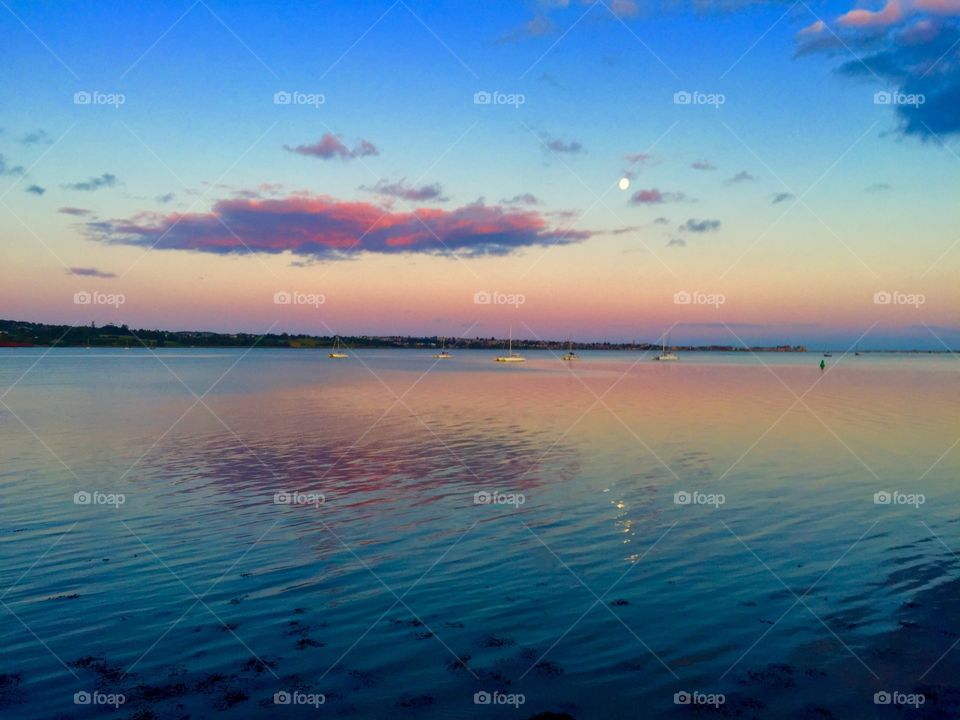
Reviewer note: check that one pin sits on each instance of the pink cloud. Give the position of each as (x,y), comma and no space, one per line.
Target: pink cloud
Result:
(330,146)
(326,227)
(891,14)
(654,197)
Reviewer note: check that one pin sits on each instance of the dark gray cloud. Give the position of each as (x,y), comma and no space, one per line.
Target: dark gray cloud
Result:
(740,177)
(700,226)
(36,190)
(522,199)
(563,146)
(918,59)
(781,197)
(94,183)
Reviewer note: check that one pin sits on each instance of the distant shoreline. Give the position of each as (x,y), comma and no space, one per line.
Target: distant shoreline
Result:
(15,333)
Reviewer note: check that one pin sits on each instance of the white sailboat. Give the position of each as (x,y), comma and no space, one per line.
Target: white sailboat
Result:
(511,356)
(664,355)
(443,354)
(571,355)
(338,349)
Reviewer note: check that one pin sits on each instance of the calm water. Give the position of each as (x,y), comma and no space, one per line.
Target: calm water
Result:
(399,596)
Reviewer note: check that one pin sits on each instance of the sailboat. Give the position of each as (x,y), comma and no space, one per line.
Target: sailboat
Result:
(443,354)
(664,355)
(571,355)
(511,356)
(338,349)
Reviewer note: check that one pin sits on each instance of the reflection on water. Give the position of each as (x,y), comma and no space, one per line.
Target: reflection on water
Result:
(593,591)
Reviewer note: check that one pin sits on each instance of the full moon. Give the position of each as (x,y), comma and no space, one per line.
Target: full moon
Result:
(624,183)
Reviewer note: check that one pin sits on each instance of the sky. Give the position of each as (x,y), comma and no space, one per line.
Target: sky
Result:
(725,172)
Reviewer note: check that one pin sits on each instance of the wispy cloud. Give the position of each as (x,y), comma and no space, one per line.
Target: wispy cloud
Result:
(877,187)
(90,272)
(562,146)
(94,183)
(7,169)
(331,147)
(703,165)
(401,189)
(653,196)
(79,212)
(781,197)
(36,137)
(35,190)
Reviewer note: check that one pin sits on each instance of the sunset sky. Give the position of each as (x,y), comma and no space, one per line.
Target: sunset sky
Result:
(147,151)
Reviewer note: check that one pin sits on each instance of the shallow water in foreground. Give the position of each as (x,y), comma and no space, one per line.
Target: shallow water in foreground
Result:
(791,592)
